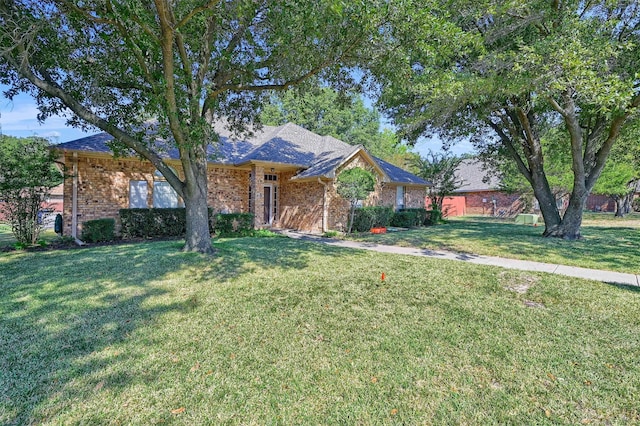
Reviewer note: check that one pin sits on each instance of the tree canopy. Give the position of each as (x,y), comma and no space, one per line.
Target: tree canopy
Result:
(503,72)
(355,184)
(28,171)
(439,169)
(115,64)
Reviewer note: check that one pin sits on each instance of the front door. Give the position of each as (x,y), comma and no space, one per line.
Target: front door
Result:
(268,218)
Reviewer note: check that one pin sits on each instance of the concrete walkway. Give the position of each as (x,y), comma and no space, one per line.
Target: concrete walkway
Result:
(523,265)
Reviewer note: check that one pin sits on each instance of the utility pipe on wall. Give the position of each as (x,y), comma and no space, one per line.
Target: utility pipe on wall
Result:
(74,198)
(325,226)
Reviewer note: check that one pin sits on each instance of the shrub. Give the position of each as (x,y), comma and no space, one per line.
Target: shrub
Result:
(435,216)
(366,218)
(150,223)
(423,216)
(233,224)
(636,205)
(98,230)
(405,219)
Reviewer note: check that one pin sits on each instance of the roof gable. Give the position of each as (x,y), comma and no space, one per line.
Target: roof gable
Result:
(475,177)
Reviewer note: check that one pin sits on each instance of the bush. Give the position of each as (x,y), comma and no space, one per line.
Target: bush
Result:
(636,205)
(98,230)
(233,224)
(405,219)
(435,216)
(151,223)
(371,217)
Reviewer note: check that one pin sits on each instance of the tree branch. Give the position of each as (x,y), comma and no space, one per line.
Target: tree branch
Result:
(53,89)
(508,143)
(184,21)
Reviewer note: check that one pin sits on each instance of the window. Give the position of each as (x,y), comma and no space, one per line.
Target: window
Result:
(270,178)
(164,197)
(138,191)
(400,197)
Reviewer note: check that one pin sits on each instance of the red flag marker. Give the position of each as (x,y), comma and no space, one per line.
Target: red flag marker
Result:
(382,277)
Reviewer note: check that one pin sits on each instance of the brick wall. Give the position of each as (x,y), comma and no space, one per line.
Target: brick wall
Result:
(228,189)
(103,189)
(301,204)
(600,203)
(481,203)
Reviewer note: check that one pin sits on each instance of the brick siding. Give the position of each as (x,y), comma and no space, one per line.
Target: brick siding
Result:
(103,189)
(481,203)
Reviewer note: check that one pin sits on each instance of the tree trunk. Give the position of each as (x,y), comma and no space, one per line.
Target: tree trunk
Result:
(546,200)
(353,214)
(569,226)
(619,206)
(198,237)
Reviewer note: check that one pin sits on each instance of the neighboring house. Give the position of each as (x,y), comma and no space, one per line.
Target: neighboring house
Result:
(481,191)
(284,175)
(55,200)
(482,194)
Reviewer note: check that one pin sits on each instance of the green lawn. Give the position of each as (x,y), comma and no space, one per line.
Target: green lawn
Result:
(609,243)
(7,239)
(277,331)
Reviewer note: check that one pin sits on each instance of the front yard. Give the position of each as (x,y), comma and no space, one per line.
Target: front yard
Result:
(276,331)
(609,243)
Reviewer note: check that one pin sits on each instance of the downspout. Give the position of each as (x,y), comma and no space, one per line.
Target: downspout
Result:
(74,201)
(325,226)
(74,198)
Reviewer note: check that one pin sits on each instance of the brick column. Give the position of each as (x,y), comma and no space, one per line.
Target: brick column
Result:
(257,195)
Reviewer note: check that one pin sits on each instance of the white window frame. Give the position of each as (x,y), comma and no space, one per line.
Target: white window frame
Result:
(164,196)
(400,197)
(138,194)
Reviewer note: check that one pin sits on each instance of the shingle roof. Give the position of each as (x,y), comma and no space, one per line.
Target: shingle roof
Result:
(474,175)
(317,156)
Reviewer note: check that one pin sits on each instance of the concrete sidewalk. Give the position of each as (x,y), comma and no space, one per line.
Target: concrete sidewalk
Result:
(523,265)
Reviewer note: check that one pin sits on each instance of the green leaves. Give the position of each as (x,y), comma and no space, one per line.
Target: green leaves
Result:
(355,184)
(27,174)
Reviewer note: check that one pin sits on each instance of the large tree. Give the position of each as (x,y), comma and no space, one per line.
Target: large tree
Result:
(344,116)
(28,171)
(439,168)
(504,71)
(116,64)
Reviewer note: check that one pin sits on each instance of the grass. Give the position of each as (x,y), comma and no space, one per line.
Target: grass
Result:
(7,239)
(609,243)
(278,331)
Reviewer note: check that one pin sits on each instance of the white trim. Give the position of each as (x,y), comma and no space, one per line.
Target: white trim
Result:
(272,198)
(74,198)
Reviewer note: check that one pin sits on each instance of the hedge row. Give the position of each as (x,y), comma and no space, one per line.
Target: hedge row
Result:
(233,224)
(153,223)
(409,218)
(366,218)
(371,217)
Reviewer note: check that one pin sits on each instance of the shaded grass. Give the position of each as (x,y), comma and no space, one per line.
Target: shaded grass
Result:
(286,332)
(607,244)
(7,239)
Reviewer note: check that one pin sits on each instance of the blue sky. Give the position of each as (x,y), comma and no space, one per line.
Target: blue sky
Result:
(18,118)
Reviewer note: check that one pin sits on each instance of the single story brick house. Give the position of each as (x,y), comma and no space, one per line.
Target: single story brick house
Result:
(284,175)
(483,196)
